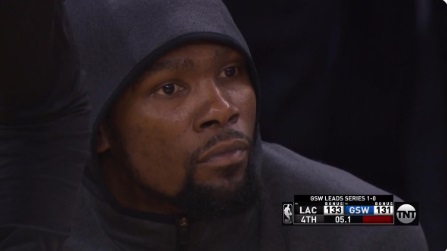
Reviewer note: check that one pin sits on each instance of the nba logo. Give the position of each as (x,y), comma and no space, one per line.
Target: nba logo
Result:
(287,210)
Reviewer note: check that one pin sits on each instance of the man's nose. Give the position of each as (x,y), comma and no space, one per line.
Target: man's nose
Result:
(216,109)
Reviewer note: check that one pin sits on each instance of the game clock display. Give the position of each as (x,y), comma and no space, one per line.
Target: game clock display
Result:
(348,210)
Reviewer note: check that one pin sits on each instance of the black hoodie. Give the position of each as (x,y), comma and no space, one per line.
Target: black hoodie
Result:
(117,41)
(44,130)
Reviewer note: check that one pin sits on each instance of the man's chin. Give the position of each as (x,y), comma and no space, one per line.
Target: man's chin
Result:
(226,196)
(227,180)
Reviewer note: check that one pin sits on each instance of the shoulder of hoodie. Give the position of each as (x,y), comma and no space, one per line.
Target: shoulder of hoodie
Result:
(285,173)
(284,168)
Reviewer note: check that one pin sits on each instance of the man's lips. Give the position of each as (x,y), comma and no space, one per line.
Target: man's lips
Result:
(226,152)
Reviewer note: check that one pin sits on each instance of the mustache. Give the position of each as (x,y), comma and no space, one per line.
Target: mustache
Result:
(224,135)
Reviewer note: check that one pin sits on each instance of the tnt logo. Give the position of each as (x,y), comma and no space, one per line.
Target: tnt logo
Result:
(406,213)
(287,210)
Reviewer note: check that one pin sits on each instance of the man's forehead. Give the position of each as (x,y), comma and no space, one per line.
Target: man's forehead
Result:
(183,57)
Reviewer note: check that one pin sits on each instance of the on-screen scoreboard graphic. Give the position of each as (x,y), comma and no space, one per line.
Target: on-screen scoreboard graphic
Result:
(349,210)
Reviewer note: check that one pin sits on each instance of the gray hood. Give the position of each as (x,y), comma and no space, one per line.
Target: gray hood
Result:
(118,39)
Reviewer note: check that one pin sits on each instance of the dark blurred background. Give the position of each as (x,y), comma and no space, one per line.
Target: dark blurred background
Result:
(361,85)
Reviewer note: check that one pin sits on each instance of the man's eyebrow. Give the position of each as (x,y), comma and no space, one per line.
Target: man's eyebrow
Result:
(220,52)
(171,65)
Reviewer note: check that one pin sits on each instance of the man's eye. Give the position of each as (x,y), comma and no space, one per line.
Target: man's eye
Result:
(229,72)
(168,89)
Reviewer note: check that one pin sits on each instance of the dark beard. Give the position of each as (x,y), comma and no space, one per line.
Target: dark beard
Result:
(199,202)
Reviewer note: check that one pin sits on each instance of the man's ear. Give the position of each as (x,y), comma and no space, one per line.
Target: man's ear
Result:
(102,138)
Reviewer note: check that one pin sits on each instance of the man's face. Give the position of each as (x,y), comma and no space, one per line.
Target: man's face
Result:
(189,119)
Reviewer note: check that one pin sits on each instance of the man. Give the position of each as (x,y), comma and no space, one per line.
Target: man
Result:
(177,160)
